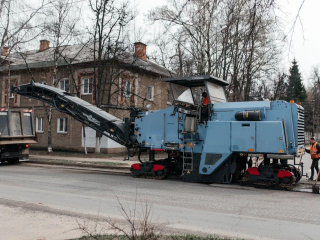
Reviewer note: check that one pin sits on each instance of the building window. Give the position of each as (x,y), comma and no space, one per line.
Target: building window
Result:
(11,96)
(7,88)
(127,88)
(39,124)
(64,85)
(62,125)
(87,86)
(150,93)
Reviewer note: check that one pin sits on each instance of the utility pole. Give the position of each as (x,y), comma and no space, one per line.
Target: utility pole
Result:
(313,132)
(9,82)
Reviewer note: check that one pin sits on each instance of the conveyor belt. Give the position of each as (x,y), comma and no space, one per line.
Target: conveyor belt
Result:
(79,109)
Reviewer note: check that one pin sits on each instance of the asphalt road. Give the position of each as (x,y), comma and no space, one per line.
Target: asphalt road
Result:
(46,193)
(306,159)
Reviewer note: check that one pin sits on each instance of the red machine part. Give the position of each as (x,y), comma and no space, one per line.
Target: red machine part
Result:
(158,149)
(157,167)
(136,166)
(253,171)
(284,173)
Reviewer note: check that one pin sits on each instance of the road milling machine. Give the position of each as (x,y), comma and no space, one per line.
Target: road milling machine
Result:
(210,143)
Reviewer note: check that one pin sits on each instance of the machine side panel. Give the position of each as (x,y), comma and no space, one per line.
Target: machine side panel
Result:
(216,147)
(280,111)
(243,136)
(157,128)
(270,137)
(258,137)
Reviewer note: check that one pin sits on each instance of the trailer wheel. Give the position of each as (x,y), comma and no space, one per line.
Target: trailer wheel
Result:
(13,161)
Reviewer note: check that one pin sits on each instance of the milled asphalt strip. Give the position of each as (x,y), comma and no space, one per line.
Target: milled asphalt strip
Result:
(303,188)
(80,164)
(75,167)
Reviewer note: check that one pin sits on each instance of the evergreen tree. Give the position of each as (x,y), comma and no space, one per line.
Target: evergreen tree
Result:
(295,90)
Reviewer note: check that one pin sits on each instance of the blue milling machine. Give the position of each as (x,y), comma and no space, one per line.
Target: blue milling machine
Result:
(211,143)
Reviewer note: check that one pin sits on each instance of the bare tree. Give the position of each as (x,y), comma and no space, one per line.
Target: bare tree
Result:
(18,23)
(279,87)
(313,100)
(18,26)
(235,40)
(110,19)
(61,29)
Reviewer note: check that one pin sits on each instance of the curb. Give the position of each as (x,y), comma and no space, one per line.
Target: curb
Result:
(78,165)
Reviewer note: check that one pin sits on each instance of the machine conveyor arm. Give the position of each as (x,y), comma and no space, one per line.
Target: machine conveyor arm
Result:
(79,109)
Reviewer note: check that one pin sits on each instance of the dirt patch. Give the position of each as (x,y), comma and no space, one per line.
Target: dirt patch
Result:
(17,223)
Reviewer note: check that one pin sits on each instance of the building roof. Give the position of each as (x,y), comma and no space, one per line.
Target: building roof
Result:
(76,54)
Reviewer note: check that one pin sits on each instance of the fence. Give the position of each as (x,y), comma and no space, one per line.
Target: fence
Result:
(308,135)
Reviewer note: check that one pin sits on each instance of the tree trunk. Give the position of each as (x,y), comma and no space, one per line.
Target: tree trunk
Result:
(49,130)
(54,77)
(84,139)
(98,142)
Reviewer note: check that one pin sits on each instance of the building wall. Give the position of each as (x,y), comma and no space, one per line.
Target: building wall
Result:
(72,140)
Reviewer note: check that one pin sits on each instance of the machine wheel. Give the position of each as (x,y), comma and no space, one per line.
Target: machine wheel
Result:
(161,174)
(287,180)
(134,173)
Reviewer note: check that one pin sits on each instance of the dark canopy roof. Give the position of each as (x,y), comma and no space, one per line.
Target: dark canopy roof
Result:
(196,81)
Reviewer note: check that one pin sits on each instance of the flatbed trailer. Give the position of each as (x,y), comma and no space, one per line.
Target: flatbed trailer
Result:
(16,134)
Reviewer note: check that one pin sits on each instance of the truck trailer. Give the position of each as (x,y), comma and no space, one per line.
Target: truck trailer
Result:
(16,134)
(210,143)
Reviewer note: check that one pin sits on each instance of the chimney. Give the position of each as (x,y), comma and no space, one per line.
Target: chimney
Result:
(5,51)
(140,50)
(44,44)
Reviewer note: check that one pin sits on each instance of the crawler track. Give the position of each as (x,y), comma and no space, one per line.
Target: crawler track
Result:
(159,175)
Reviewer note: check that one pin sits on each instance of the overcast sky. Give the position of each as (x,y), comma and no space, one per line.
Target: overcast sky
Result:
(305,46)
